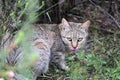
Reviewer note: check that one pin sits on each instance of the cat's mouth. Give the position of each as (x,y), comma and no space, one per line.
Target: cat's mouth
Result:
(73,49)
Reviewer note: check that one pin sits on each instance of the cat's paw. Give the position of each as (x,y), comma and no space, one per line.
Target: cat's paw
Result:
(66,68)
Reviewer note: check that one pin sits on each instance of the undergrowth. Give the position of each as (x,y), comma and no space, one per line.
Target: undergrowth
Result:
(101,62)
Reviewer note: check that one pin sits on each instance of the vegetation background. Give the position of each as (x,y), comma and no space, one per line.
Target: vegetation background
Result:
(99,60)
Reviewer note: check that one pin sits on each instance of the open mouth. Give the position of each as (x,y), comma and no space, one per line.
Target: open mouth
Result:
(73,49)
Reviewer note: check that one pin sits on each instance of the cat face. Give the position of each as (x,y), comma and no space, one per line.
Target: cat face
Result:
(74,34)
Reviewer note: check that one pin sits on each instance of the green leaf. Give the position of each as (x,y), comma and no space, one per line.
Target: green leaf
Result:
(4,28)
(12,14)
(19,37)
(43,3)
(19,1)
(71,58)
(26,5)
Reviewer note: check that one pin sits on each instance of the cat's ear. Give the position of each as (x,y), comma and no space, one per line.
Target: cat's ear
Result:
(65,25)
(85,25)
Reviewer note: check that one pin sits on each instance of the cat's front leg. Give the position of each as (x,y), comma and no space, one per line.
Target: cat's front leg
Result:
(59,59)
(63,66)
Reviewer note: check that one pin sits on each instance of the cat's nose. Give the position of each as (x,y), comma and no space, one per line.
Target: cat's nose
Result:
(74,48)
(74,45)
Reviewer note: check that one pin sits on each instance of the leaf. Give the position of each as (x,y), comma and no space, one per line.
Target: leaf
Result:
(118,77)
(19,2)
(4,28)
(43,3)
(12,14)
(19,37)
(26,5)
(71,58)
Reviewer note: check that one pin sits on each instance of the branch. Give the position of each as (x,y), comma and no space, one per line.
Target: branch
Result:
(58,3)
(105,12)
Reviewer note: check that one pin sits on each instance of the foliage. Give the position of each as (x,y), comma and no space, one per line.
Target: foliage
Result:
(27,8)
(102,62)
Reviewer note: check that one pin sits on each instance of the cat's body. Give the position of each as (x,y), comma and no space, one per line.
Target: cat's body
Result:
(71,36)
(68,35)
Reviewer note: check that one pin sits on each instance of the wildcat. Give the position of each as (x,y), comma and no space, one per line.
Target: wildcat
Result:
(71,37)
(68,35)
(40,42)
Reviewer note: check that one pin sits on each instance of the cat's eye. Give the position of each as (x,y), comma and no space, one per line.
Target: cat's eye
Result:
(80,39)
(69,39)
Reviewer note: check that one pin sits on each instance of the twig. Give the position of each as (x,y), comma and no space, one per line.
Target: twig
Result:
(105,12)
(66,78)
(104,30)
(60,2)
(107,31)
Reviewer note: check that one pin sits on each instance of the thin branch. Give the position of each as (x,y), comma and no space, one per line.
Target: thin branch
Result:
(105,12)
(58,3)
